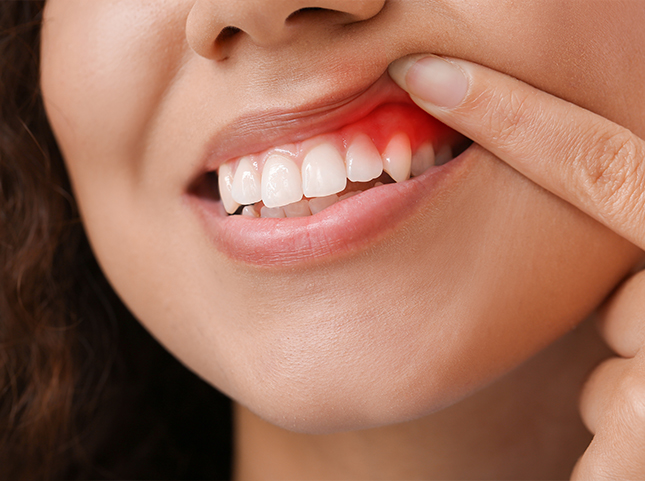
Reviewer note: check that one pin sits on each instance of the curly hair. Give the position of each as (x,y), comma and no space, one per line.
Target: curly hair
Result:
(85,392)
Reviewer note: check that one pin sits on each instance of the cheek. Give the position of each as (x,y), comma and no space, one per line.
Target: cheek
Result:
(589,53)
(105,67)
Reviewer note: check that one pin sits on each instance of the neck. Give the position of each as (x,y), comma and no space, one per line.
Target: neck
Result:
(525,425)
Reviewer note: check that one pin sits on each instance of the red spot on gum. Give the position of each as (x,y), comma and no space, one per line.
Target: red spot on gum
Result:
(389,119)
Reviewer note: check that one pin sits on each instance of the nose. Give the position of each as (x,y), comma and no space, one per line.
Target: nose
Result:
(212,24)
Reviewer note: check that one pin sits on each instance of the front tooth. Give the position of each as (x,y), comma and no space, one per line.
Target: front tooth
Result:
(280,182)
(323,171)
(246,183)
(363,160)
(225,181)
(422,159)
(397,158)
(297,209)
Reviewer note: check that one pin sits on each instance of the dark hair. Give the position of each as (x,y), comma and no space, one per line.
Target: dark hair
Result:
(85,392)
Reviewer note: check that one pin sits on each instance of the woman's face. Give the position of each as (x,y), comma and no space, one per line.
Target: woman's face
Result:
(387,305)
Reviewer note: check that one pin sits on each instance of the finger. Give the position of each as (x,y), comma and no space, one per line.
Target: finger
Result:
(598,392)
(581,157)
(613,407)
(622,319)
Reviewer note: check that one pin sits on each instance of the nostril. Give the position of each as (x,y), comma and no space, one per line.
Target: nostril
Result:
(226,34)
(303,12)
(224,39)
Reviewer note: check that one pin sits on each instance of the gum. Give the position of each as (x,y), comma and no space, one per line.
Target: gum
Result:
(380,125)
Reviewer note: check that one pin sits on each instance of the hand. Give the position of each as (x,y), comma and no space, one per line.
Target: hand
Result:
(595,165)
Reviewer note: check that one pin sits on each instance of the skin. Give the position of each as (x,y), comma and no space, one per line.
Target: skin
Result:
(596,165)
(471,286)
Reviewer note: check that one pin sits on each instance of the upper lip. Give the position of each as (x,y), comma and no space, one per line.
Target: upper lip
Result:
(255,132)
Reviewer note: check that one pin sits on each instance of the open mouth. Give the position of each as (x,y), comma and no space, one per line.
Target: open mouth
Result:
(393,143)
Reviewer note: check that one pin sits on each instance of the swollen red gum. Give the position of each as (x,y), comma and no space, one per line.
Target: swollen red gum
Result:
(380,125)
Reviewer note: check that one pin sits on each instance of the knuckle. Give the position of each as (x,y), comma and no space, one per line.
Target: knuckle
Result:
(611,166)
(504,112)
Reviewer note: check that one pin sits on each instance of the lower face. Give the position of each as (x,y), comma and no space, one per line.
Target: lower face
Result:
(385,306)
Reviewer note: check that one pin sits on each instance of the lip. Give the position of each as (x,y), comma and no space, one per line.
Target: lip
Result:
(344,228)
(261,130)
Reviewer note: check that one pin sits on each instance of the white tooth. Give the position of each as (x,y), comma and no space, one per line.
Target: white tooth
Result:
(297,209)
(350,194)
(422,159)
(443,155)
(397,158)
(323,171)
(363,160)
(281,183)
(246,183)
(272,212)
(378,184)
(250,211)
(319,203)
(225,181)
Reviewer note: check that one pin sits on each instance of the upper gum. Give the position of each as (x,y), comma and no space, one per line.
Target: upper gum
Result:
(342,137)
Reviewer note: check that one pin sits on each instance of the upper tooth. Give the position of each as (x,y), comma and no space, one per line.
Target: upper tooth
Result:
(225,181)
(363,160)
(397,157)
(422,159)
(246,183)
(280,181)
(323,171)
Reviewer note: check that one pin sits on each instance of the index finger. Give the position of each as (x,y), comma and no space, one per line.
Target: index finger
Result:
(581,157)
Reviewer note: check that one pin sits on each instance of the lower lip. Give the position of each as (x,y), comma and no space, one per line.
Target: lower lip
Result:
(345,228)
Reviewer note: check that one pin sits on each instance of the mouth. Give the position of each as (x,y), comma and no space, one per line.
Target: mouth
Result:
(316,194)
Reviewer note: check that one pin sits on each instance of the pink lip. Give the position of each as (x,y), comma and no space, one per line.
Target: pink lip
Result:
(257,132)
(347,226)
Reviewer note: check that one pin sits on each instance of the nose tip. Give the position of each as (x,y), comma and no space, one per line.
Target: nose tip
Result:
(211,24)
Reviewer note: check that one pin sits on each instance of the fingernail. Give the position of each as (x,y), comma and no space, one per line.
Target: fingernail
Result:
(432,79)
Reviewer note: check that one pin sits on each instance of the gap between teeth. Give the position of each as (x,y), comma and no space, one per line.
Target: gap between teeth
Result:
(282,189)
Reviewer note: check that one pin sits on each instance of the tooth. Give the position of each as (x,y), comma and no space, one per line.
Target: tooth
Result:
(272,212)
(363,160)
(281,183)
(350,194)
(250,211)
(422,159)
(323,172)
(443,155)
(297,209)
(246,183)
(319,203)
(225,181)
(397,158)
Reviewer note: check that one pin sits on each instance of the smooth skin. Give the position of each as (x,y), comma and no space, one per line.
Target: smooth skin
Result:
(596,165)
